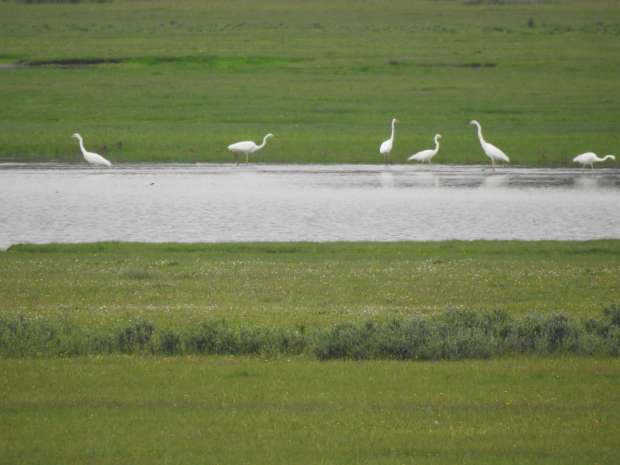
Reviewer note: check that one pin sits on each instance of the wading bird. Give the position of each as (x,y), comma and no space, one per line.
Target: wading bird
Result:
(426,155)
(91,157)
(490,150)
(386,146)
(246,148)
(589,158)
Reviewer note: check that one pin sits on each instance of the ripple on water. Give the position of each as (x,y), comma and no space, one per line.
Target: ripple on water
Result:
(44,203)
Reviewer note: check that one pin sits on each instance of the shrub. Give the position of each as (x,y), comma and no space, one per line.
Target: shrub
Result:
(207,338)
(168,343)
(612,315)
(452,335)
(135,337)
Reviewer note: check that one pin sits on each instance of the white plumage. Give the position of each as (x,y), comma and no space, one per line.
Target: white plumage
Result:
(494,153)
(387,145)
(247,147)
(426,155)
(91,157)
(589,158)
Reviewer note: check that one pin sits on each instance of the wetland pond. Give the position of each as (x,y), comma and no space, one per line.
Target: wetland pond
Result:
(44,203)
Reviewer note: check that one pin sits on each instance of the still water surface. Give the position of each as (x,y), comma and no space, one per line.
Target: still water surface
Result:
(42,203)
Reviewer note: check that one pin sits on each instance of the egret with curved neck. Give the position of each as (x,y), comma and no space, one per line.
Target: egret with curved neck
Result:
(426,155)
(494,153)
(589,158)
(91,157)
(387,145)
(247,147)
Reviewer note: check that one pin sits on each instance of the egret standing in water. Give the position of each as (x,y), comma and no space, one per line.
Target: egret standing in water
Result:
(386,146)
(426,155)
(589,158)
(91,157)
(490,150)
(247,147)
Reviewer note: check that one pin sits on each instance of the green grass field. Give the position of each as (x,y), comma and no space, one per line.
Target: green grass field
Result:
(305,283)
(326,77)
(139,410)
(293,409)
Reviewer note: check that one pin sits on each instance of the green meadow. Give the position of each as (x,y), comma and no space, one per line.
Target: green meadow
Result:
(310,284)
(408,301)
(286,406)
(236,410)
(171,81)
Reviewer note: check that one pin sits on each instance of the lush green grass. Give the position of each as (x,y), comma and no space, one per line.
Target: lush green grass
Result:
(324,76)
(239,411)
(305,283)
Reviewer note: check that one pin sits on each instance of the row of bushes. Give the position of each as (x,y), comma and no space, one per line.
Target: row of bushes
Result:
(453,334)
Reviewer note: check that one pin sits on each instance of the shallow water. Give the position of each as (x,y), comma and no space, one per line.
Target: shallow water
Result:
(42,203)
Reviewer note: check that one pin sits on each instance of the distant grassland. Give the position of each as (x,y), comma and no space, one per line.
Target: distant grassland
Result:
(283,285)
(179,81)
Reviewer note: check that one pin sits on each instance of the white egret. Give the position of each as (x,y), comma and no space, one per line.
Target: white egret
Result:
(490,150)
(426,155)
(589,158)
(386,146)
(247,147)
(91,157)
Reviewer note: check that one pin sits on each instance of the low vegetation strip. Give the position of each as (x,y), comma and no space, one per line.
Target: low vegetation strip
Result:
(452,335)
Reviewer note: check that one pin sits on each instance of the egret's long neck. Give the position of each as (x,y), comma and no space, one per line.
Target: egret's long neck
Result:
(263,144)
(436,144)
(393,131)
(608,156)
(81,145)
(480,134)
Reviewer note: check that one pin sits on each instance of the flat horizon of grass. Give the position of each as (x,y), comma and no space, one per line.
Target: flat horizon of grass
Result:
(239,410)
(179,82)
(315,284)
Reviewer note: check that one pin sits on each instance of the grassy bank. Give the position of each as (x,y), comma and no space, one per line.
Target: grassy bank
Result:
(239,410)
(179,81)
(307,302)
(305,283)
